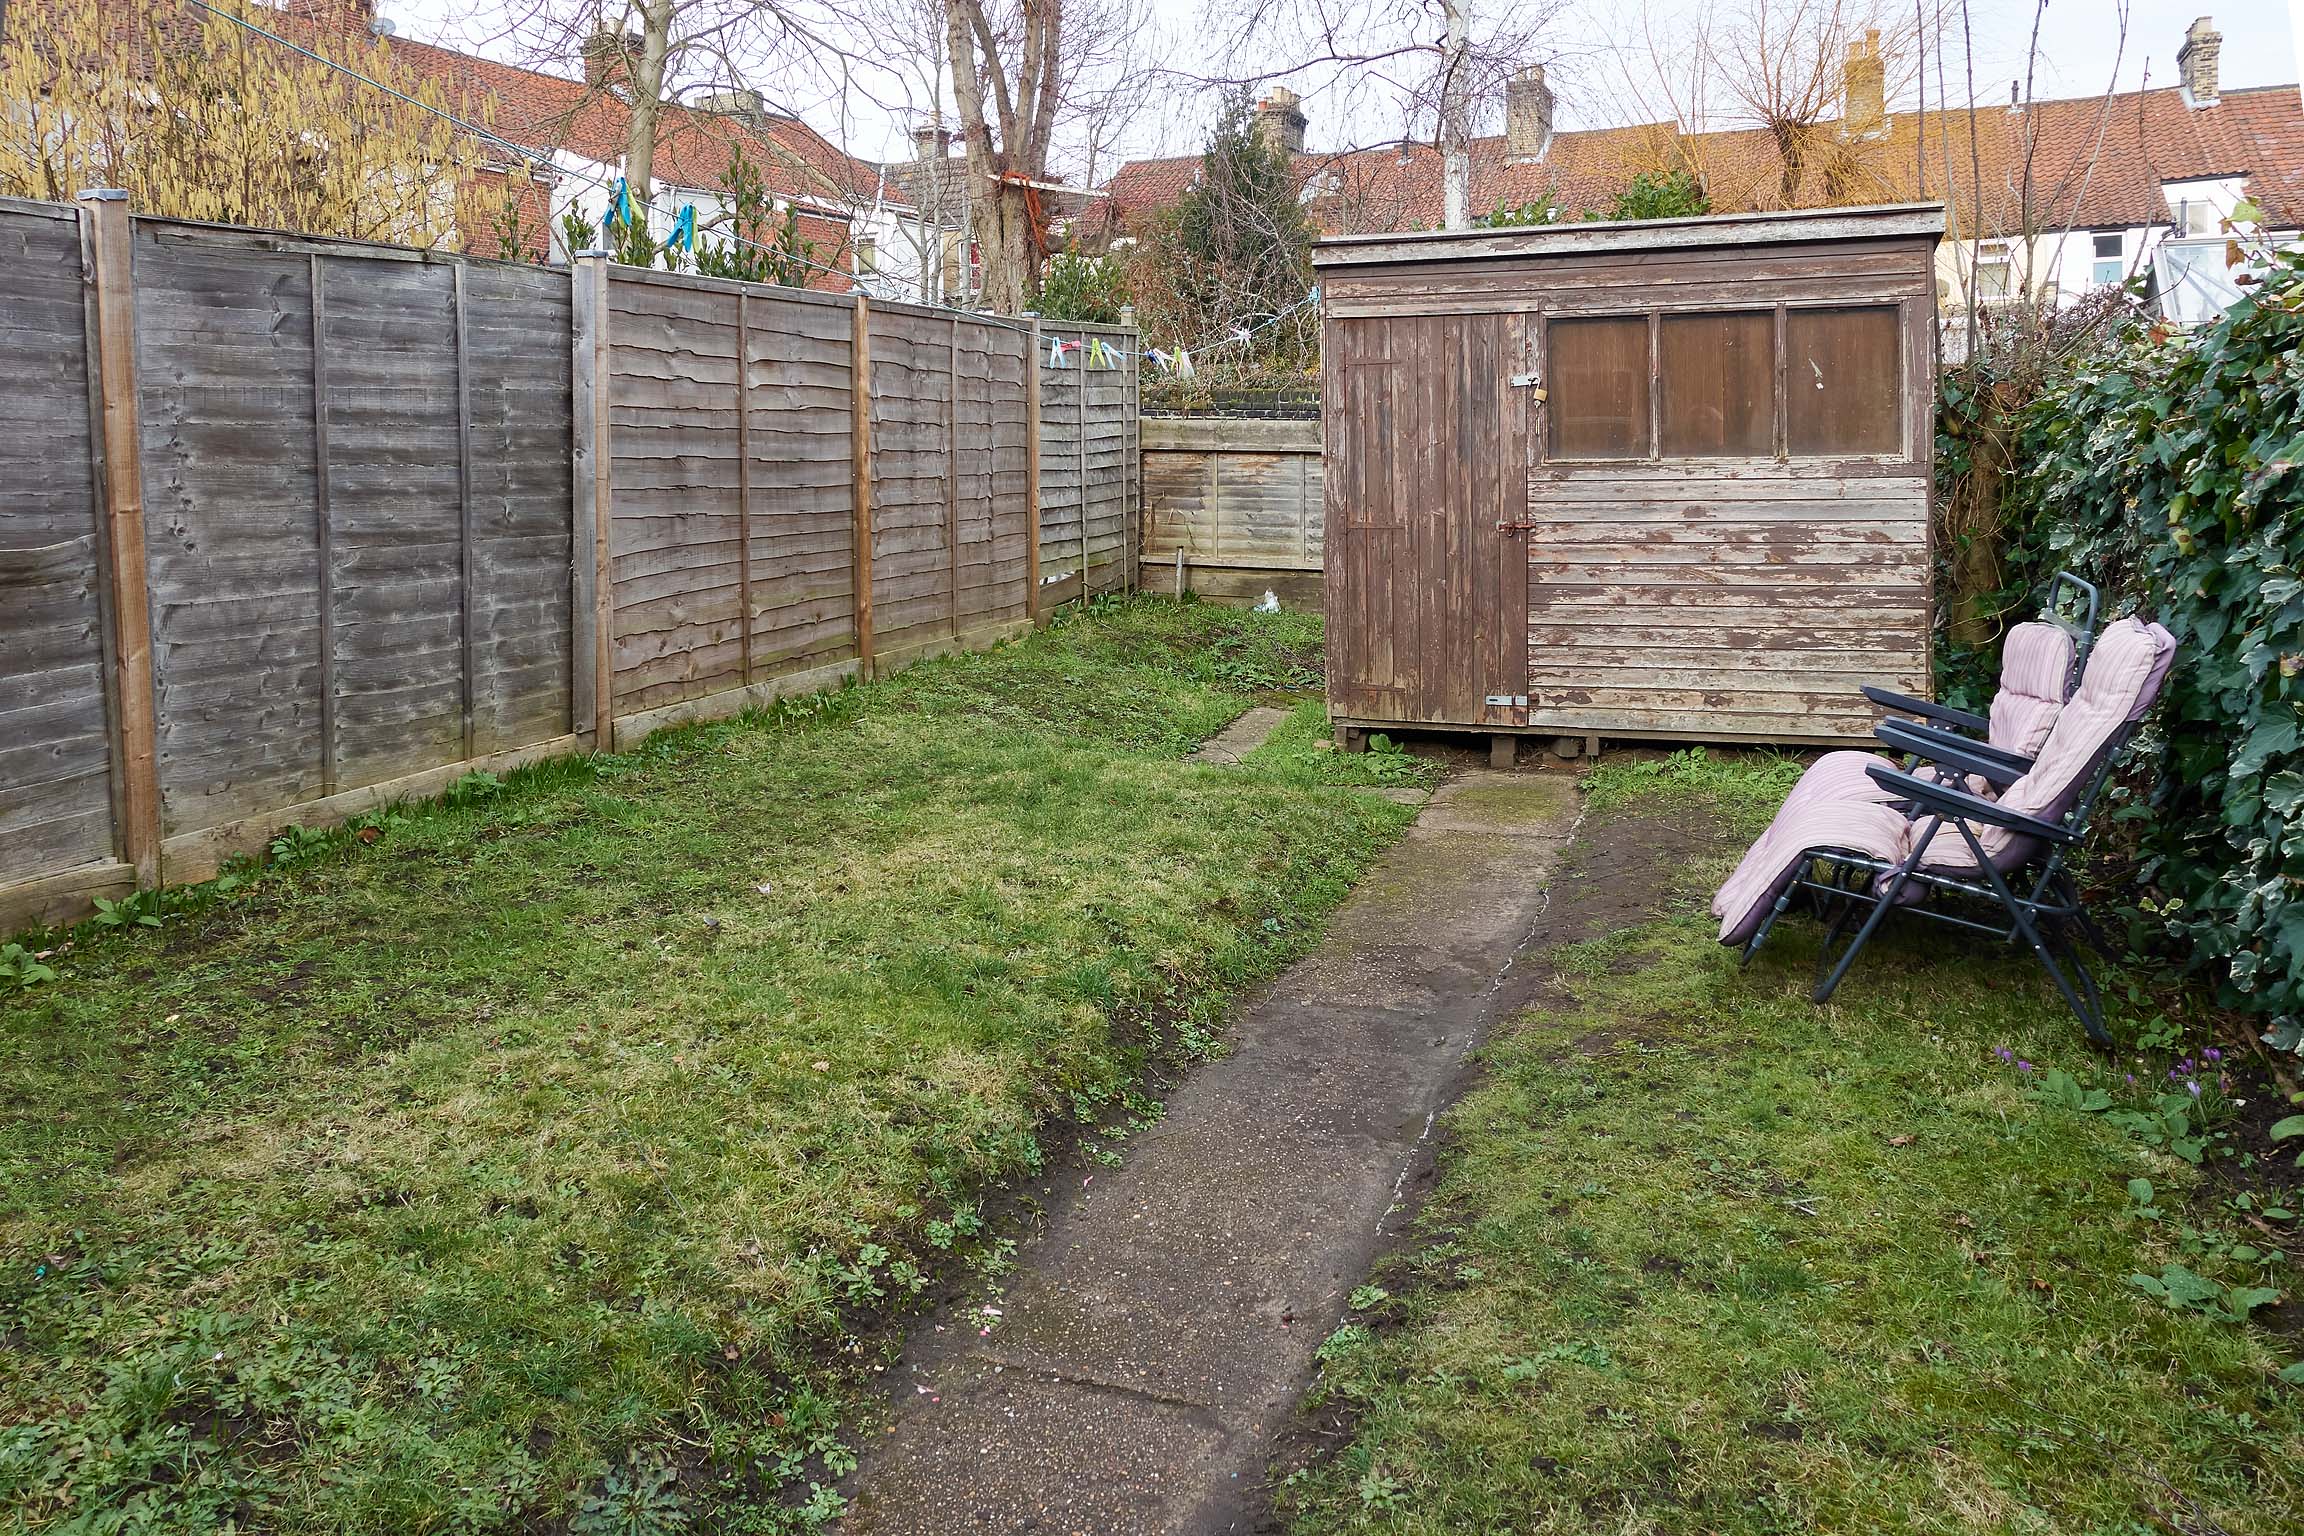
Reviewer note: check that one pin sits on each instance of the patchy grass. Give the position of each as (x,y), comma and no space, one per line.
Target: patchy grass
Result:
(1300,751)
(548,1158)
(1706,1258)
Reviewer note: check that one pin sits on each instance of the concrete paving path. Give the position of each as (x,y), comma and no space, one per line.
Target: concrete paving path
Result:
(1162,1328)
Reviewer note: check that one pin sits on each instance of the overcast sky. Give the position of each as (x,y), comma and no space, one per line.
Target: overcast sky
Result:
(2079,45)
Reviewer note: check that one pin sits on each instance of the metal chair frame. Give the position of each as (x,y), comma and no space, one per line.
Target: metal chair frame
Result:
(1842,882)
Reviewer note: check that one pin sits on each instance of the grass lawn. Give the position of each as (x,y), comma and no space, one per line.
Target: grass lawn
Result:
(553,1159)
(1706,1258)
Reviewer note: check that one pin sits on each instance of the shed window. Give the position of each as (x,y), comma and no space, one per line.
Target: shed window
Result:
(1599,388)
(1718,377)
(1845,381)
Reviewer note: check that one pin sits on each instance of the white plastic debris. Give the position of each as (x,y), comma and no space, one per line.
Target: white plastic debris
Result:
(1271,603)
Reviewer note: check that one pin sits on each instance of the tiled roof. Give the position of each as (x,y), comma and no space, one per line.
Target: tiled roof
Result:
(551,112)
(2096,161)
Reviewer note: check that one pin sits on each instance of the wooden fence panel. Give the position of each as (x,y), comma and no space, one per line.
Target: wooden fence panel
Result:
(1062,388)
(394,504)
(233,526)
(1089,475)
(55,746)
(994,523)
(517,382)
(912,379)
(674,538)
(801,447)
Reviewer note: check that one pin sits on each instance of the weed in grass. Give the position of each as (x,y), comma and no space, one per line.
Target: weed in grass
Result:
(1704,1257)
(589,1124)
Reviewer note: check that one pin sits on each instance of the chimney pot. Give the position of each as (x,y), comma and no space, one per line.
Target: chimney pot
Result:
(2196,61)
(1280,120)
(1527,115)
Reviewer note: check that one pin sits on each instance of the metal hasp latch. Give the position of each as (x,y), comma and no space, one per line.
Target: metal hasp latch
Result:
(1508,701)
(1528,381)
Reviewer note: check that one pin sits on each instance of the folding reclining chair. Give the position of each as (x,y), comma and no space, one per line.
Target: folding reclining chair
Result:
(2040,664)
(1857,861)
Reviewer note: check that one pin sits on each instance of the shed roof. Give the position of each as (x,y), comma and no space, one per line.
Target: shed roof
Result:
(1739,229)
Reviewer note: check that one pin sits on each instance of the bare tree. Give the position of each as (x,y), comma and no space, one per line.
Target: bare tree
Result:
(1018,70)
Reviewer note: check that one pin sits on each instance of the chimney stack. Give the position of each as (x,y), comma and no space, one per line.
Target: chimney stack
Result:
(931,142)
(1527,115)
(1865,81)
(608,58)
(1281,122)
(2196,61)
(743,103)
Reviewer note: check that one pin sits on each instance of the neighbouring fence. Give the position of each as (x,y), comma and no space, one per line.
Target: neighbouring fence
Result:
(298,526)
(1239,500)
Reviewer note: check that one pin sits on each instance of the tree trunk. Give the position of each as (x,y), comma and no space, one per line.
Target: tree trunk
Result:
(1005,238)
(1455,123)
(647,85)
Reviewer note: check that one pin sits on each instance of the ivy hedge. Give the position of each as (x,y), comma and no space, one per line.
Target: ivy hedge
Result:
(2169,469)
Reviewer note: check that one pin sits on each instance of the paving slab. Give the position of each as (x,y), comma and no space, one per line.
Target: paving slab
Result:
(1240,738)
(1161,1329)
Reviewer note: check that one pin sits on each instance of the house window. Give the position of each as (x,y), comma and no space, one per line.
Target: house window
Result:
(1995,275)
(1815,383)
(867,254)
(1718,378)
(2111,261)
(1844,381)
(1599,388)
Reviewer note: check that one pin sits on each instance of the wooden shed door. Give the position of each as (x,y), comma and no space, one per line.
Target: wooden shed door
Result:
(1425,456)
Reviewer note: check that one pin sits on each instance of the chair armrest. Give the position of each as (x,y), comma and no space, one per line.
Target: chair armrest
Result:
(1959,805)
(1995,767)
(1905,704)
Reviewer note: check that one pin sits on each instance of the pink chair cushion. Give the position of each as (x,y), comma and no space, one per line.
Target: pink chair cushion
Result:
(2035,667)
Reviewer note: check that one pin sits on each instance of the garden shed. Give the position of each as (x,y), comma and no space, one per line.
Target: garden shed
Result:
(1666,479)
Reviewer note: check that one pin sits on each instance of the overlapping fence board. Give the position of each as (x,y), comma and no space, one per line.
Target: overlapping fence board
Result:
(55,749)
(367,512)
(1090,474)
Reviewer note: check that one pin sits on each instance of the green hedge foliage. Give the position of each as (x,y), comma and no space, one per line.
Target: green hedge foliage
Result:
(2170,470)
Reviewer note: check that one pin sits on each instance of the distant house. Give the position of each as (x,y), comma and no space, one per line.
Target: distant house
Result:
(921,247)
(2138,182)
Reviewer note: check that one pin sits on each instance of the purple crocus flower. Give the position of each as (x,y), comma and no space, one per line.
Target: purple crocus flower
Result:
(2023,1066)
(2211,1054)
(2003,1053)
(2194,1087)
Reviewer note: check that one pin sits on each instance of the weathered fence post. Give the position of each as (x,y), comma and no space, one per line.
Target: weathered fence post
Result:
(592,668)
(860,456)
(324,528)
(1080,459)
(107,252)
(952,480)
(1032,474)
(744,479)
(469,564)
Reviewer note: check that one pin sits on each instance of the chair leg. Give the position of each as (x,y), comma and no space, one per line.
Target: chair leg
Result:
(1752,945)
(2090,1013)
(1880,905)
